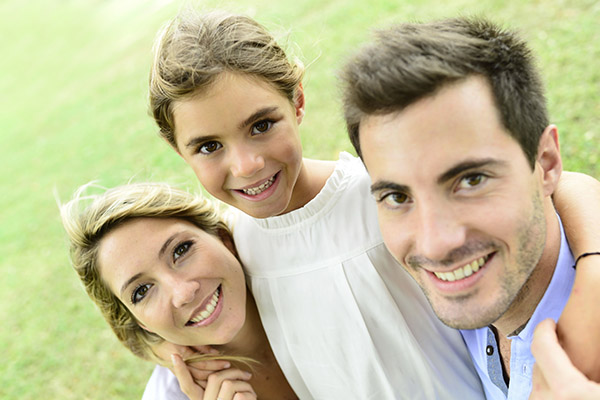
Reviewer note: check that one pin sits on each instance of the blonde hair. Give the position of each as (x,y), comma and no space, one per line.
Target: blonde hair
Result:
(194,49)
(86,225)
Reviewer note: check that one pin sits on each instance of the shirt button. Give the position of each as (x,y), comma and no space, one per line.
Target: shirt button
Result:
(489,350)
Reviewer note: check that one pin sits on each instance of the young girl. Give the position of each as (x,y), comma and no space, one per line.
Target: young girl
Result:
(160,264)
(343,319)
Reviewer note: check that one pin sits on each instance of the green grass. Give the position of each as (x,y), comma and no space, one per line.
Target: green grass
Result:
(73,109)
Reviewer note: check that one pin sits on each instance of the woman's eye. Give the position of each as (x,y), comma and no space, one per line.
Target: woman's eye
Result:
(394,199)
(181,249)
(471,181)
(140,292)
(261,127)
(209,147)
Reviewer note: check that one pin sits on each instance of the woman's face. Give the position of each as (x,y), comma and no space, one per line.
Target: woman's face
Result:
(179,282)
(241,139)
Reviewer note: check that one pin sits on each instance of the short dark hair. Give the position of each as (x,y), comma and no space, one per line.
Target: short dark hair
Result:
(411,61)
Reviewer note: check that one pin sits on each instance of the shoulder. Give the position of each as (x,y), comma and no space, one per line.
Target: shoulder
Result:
(163,385)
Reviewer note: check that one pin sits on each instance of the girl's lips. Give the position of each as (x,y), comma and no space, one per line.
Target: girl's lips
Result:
(262,191)
(209,310)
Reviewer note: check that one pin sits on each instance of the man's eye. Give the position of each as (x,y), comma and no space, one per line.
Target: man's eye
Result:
(261,127)
(471,181)
(140,292)
(209,147)
(394,199)
(181,249)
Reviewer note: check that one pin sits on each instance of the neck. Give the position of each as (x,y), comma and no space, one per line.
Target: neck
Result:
(267,379)
(522,308)
(311,179)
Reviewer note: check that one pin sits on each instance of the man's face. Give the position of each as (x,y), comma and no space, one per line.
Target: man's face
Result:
(458,203)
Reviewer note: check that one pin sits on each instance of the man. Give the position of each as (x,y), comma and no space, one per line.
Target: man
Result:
(450,120)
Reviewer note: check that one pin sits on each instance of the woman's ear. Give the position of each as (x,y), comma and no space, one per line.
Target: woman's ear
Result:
(227,240)
(299,103)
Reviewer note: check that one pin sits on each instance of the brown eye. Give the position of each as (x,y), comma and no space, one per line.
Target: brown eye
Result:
(181,249)
(209,147)
(261,127)
(139,293)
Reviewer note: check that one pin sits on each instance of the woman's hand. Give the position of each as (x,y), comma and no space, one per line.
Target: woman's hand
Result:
(200,370)
(228,384)
(554,376)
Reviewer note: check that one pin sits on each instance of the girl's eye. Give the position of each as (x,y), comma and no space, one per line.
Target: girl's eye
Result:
(140,292)
(209,147)
(394,199)
(181,249)
(261,127)
(471,181)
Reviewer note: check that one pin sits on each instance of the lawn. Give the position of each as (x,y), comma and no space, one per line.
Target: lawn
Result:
(74,108)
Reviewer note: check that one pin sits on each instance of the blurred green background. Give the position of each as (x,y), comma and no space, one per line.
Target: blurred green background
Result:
(73,77)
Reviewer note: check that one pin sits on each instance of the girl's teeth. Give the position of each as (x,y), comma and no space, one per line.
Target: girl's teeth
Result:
(259,189)
(463,272)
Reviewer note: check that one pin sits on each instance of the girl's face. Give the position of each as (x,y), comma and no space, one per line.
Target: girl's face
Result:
(179,282)
(241,139)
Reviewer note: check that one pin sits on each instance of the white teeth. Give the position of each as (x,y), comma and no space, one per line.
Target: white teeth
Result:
(462,272)
(259,189)
(210,308)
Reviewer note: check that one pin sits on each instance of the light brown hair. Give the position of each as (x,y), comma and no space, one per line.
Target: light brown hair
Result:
(194,49)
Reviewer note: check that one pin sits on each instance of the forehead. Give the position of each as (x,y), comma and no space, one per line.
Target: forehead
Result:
(458,122)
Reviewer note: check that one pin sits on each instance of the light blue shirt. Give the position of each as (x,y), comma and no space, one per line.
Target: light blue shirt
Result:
(482,342)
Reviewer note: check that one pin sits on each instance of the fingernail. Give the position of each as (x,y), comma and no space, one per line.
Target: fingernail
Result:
(173,360)
(248,374)
(226,365)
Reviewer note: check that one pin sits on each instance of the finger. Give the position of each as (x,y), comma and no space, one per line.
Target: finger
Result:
(202,369)
(186,381)
(231,390)
(217,379)
(551,359)
(539,386)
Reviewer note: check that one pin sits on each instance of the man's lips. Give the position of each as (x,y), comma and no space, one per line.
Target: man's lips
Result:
(463,271)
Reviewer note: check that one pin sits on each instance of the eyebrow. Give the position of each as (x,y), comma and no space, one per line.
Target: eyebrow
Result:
(161,253)
(256,115)
(444,177)
(467,165)
(380,185)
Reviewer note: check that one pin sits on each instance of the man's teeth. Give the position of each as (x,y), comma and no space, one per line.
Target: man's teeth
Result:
(210,308)
(259,189)
(462,272)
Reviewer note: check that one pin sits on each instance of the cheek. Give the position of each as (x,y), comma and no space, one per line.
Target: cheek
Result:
(391,231)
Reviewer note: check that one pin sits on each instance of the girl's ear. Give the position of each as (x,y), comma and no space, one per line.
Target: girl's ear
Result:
(299,103)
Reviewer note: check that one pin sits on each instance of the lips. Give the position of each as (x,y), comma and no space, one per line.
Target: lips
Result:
(258,189)
(462,272)
(207,309)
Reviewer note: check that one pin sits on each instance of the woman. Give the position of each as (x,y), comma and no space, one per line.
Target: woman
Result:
(160,264)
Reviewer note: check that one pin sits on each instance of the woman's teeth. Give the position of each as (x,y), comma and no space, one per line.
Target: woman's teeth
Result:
(210,308)
(259,189)
(462,272)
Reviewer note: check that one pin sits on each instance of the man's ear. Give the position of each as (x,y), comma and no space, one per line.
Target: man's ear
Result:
(548,157)
(299,103)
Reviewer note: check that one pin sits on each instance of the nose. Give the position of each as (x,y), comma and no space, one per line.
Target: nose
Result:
(183,292)
(439,230)
(245,161)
